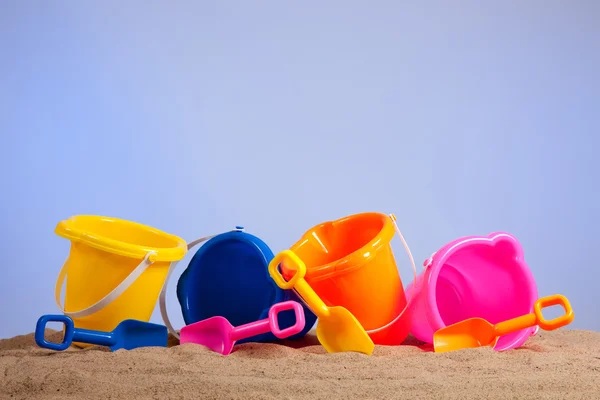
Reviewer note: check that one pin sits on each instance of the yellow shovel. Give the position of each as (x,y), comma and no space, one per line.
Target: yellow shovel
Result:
(477,332)
(337,329)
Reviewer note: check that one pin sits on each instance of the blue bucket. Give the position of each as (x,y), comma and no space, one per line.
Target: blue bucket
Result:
(228,276)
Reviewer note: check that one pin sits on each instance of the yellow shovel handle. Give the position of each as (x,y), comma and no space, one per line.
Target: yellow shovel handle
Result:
(296,262)
(297,282)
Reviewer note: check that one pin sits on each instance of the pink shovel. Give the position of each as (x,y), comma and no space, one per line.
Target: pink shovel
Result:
(219,335)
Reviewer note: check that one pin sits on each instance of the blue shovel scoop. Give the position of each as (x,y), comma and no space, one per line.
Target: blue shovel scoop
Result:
(129,334)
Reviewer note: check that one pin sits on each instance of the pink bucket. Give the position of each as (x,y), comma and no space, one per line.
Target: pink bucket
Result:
(474,276)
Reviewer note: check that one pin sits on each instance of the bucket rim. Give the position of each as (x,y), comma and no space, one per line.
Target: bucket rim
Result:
(357,258)
(72,230)
(438,260)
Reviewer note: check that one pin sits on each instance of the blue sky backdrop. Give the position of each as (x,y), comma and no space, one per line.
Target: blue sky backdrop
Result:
(462,118)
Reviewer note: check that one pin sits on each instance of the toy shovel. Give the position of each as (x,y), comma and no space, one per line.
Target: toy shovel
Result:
(337,329)
(477,332)
(219,335)
(129,334)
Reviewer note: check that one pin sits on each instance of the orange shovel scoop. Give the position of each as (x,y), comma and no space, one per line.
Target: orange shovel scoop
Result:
(477,332)
(337,329)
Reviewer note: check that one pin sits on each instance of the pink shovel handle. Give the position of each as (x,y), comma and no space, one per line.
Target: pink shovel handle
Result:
(292,330)
(271,323)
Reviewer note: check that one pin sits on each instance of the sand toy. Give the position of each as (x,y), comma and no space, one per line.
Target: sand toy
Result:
(129,334)
(474,277)
(350,263)
(477,332)
(219,335)
(337,329)
(227,277)
(115,270)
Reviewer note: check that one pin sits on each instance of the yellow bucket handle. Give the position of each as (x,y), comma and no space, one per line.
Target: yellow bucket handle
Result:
(162,300)
(110,297)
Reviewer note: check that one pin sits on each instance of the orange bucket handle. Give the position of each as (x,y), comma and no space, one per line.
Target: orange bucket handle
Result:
(110,297)
(412,261)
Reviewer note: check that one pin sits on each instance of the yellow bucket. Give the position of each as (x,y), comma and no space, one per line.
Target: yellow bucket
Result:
(115,270)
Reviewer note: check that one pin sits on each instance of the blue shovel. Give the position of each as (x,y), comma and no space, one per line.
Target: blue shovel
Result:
(129,334)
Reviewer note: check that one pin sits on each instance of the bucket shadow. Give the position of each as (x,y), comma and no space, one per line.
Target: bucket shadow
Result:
(172,341)
(414,342)
(307,340)
(310,339)
(530,347)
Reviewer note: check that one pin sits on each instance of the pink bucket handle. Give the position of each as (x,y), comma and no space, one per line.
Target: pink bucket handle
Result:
(284,306)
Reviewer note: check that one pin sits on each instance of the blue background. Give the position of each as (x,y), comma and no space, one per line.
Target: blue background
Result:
(461,119)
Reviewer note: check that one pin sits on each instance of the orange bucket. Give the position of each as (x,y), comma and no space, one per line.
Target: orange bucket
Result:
(350,263)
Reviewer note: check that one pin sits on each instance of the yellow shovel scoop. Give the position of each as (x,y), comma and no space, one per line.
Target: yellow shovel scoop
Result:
(477,332)
(337,329)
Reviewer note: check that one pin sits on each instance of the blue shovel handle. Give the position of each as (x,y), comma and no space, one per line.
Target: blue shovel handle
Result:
(40,329)
(71,335)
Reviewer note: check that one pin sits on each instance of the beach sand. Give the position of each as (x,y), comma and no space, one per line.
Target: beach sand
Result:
(563,364)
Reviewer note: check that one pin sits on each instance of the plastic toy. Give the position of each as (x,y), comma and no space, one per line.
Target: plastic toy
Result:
(227,277)
(477,332)
(474,276)
(337,329)
(474,291)
(108,272)
(350,263)
(129,334)
(219,335)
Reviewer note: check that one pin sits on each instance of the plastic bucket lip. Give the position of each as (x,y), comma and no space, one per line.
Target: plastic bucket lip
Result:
(358,257)
(80,228)
(436,262)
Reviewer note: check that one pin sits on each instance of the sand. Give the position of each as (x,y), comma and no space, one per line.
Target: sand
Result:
(563,364)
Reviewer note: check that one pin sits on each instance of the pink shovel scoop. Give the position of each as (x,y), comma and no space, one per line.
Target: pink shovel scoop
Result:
(219,335)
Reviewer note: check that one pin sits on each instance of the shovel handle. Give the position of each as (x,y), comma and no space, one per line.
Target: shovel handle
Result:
(284,306)
(298,283)
(537,318)
(298,265)
(549,301)
(40,329)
